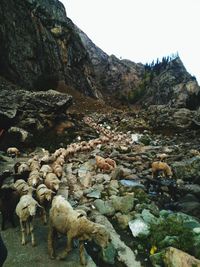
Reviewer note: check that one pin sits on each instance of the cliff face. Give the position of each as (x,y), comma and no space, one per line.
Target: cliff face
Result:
(169,83)
(39,47)
(42,49)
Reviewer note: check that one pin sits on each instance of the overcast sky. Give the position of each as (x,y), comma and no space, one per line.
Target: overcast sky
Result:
(142,30)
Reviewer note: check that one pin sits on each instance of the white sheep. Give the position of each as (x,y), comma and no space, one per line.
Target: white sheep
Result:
(73,223)
(44,197)
(13,152)
(26,210)
(21,186)
(34,178)
(52,181)
(45,169)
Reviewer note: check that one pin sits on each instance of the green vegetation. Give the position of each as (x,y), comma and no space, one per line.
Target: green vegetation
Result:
(171,231)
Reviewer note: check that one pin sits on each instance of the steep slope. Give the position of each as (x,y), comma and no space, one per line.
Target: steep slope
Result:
(42,49)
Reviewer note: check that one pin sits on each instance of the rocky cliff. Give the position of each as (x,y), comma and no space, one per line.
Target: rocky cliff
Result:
(42,49)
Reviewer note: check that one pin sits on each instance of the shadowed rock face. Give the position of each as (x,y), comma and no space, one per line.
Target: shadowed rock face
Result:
(39,46)
(42,49)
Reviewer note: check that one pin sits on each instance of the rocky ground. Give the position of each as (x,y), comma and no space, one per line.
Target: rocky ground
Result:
(144,215)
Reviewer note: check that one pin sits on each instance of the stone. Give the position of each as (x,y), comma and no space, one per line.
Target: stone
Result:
(123,204)
(138,227)
(124,255)
(123,219)
(104,207)
(176,258)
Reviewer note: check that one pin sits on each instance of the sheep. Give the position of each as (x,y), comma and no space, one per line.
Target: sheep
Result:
(161,167)
(26,210)
(44,197)
(34,178)
(60,160)
(111,162)
(52,181)
(73,223)
(57,169)
(44,170)
(162,157)
(34,163)
(21,186)
(9,197)
(103,165)
(13,152)
(21,170)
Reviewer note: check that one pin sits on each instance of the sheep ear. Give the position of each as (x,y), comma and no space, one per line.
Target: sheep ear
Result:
(39,205)
(94,231)
(80,215)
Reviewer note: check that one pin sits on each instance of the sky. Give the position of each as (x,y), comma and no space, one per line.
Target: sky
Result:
(142,30)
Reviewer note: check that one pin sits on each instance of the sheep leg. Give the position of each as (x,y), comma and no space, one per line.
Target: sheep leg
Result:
(23,232)
(27,228)
(51,236)
(64,254)
(44,216)
(32,234)
(82,253)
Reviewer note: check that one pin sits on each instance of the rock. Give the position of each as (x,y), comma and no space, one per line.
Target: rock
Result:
(35,114)
(94,194)
(123,219)
(123,204)
(108,255)
(187,170)
(101,178)
(104,207)
(148,217)
(132,184)
(124,254)
(138,227)
(151,207)
(174,258)
(190,189)
(116,173)
(189,207)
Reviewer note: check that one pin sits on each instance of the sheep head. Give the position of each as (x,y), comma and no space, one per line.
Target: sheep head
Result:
(101,236)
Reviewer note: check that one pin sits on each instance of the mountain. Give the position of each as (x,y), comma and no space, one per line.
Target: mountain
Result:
(42,49)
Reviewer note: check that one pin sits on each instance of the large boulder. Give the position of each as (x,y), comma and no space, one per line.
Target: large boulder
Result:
(172,257)
(187,170)
(24,114)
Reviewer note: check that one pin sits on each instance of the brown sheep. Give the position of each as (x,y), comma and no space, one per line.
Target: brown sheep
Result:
(65,220)
(161,167)
(103,165)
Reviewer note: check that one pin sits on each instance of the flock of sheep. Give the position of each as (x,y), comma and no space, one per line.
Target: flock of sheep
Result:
(41,183)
